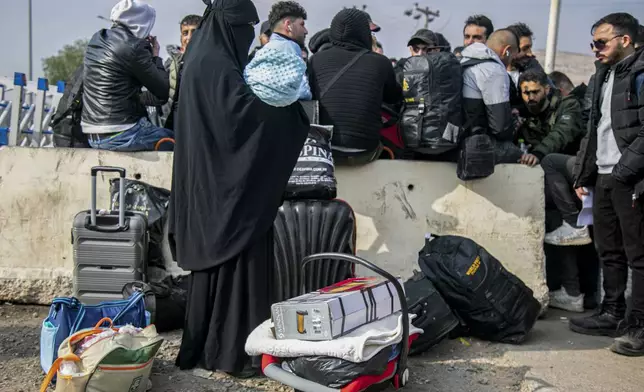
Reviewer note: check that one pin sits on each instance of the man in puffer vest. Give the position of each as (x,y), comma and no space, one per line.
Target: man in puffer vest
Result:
(611,160)
(173,64)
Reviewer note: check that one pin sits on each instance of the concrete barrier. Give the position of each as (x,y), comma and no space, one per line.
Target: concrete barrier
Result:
(396,202)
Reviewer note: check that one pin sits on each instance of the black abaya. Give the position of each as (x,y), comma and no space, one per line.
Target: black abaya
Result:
(234,154)
(233,157)
(225,304)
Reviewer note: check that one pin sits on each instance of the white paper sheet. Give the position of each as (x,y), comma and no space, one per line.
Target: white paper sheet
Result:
(585,217)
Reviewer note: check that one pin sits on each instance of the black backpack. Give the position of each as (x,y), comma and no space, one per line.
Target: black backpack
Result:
(66,122)
(166,301)
(433,315)
(494,304)
(432,116)
(477,154)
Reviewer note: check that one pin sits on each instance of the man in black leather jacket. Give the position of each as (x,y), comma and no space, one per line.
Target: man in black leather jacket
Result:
(120,61)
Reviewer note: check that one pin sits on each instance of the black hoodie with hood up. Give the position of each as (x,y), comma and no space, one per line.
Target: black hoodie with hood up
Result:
(352,104)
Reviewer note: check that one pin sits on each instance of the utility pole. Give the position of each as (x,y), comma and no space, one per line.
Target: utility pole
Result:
(553,31)
(31,49)
(418,12)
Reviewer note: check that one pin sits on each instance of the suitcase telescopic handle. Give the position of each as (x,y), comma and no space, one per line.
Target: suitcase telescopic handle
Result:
(108,169)
(404,352)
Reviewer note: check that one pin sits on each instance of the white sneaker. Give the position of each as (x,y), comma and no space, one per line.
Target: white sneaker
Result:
(567,235)
(560,299)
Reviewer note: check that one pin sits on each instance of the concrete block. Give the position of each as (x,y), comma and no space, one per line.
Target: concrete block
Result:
(396,203)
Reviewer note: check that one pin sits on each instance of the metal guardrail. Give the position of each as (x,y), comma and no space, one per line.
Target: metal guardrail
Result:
(28,124)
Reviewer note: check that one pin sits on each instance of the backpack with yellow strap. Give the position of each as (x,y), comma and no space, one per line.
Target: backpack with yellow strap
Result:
(105,359)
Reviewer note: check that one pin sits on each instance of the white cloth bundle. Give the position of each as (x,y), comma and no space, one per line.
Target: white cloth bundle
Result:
(357,346)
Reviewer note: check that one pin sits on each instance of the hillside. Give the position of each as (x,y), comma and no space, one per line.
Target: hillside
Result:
(578,67)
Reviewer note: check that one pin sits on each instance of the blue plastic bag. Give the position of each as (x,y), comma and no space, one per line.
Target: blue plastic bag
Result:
(68,316)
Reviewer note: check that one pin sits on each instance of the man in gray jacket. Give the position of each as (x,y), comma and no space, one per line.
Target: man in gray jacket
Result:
(486,94)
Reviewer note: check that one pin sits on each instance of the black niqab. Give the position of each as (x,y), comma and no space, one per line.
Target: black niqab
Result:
(234,154)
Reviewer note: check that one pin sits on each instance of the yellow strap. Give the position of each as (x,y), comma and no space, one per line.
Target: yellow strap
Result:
(54,369)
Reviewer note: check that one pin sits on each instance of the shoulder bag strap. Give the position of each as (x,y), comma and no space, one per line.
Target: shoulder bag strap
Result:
(341,72)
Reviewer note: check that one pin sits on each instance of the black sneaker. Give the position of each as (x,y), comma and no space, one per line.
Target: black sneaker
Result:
(631,344)
(601,323)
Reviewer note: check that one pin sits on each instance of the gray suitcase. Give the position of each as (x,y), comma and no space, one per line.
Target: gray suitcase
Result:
(110,249)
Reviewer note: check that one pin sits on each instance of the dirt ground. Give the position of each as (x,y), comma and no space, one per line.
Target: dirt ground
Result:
(446,368)
(553,359)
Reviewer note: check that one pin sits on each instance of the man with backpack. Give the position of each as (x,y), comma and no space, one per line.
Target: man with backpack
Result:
(486,91)
(432,113)
(120,61)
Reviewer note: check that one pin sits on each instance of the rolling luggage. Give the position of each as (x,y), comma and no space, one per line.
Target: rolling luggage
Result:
(306,227)
(110,249)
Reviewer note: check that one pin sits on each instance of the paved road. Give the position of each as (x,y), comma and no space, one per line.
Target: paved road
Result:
(554,359)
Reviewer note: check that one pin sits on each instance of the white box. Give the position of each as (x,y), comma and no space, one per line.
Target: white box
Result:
(335,310)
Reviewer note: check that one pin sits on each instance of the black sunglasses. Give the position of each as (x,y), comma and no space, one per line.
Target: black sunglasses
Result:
(600,44)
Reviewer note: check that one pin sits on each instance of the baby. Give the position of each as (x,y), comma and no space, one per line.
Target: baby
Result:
(277,73)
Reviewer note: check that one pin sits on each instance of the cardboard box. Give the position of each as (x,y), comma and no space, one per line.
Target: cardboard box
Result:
(335,310)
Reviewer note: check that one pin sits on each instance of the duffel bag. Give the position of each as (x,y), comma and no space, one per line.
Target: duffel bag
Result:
(68,316)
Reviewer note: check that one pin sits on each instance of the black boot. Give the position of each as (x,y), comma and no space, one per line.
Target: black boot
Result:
(602,323)
(632,343)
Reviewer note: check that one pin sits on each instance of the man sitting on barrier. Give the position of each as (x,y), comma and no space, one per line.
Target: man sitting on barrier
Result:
(552,123)
(486,91)
(120,61)
(351,83)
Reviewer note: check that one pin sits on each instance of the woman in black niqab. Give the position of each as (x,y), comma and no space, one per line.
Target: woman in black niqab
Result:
(232,160)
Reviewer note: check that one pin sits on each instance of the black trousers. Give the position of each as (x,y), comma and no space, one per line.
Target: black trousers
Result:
(619,233)
(559,186)
(576,268)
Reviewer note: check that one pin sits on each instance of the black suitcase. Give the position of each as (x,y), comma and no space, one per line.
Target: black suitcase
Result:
(110,249)
(433,315)
(307,227)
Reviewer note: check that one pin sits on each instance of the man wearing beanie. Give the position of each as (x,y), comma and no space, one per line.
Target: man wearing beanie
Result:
(118,63)
(351,83)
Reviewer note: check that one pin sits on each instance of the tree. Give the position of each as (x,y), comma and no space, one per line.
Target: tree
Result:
(63,65)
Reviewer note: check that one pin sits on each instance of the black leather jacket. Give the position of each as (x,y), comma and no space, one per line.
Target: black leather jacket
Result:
(117,66)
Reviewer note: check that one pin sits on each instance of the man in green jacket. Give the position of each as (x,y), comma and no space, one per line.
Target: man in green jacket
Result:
(173,65)
(551,123)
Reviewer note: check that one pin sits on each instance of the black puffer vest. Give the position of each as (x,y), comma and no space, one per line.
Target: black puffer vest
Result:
(626,108)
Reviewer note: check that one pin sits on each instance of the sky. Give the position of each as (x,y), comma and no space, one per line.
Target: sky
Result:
(59,22)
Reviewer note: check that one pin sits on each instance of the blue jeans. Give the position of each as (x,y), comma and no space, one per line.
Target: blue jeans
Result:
(141,137)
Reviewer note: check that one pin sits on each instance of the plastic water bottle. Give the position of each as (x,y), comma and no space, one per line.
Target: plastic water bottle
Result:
(523,146)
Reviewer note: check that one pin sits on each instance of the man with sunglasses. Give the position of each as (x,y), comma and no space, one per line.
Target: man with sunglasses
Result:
(611,160)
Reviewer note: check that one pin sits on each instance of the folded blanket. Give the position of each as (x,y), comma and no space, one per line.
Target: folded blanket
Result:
(357,346)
